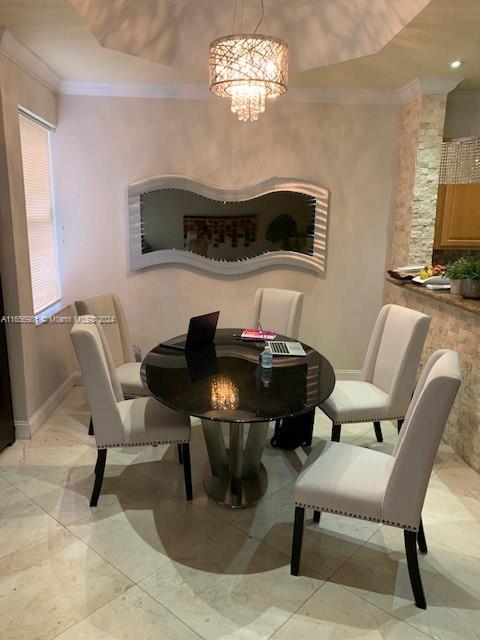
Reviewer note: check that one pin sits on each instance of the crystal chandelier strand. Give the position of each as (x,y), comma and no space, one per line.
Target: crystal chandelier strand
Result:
(248,101)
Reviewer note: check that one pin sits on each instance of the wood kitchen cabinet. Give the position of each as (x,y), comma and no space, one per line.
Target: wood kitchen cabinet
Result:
(458,217)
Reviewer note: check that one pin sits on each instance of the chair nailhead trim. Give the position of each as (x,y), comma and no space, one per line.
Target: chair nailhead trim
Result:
(140,444)
(367,420)
(355,515)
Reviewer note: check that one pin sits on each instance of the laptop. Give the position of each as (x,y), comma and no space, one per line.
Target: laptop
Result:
(201,333)
(283,348)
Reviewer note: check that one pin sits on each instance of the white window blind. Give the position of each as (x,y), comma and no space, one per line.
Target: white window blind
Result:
(40,213)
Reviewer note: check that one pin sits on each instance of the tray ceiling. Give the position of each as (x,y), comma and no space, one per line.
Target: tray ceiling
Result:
(167,40)
(177,33)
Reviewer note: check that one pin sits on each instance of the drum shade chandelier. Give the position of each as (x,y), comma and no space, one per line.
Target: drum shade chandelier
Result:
(248,68)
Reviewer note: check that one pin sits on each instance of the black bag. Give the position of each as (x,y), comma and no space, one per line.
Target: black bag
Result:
(291,433)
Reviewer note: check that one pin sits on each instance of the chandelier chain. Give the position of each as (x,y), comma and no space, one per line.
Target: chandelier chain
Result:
(261,16)
(234,16)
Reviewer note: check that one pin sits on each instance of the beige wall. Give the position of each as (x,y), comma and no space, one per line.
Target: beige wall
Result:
(463,116)
(103,144)
(40,357)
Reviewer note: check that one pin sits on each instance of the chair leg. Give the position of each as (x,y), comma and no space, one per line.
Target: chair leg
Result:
(91,432)
(180,453)
(413,570)
(399,424)
(378,430)
(422,543)
(316,516)
(336,430)
(187,471)
(297,540)
(99,471)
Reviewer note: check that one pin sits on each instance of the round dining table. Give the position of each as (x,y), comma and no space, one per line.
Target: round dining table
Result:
(236,399)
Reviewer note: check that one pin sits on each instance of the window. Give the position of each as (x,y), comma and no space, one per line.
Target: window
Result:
(35,141)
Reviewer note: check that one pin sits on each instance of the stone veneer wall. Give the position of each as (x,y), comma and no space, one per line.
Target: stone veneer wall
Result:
(418,166)
(407,150)
(453,328)
(427,172)
(412,241)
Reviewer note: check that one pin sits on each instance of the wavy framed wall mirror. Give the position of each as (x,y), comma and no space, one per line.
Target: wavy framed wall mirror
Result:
(181,220)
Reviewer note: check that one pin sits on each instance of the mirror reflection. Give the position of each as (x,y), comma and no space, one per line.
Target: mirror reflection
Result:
(227,231)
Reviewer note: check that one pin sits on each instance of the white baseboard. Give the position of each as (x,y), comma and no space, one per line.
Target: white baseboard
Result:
(77,378)
(24,429)
(347,374)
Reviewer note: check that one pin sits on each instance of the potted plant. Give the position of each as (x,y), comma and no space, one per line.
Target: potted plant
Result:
(467,270)
(283,229)
(454,273)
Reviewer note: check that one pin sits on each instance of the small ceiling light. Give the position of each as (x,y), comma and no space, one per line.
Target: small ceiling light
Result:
(455,64)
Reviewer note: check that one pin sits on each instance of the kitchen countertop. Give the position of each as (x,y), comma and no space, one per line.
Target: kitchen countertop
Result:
(473,306)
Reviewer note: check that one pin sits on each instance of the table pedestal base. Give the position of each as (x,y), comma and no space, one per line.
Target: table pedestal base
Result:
(235,477)
(247,493)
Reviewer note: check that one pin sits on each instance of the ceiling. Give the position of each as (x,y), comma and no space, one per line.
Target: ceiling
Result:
(371,44)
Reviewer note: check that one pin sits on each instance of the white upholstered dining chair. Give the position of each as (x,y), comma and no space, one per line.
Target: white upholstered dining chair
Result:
(278,310)
(370,485)
(118,422)
(388,375)
(118,337)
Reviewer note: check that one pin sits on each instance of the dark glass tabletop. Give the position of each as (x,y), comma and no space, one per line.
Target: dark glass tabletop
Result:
(225,381)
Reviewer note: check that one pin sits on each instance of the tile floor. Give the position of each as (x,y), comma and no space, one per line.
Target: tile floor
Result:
(146,565)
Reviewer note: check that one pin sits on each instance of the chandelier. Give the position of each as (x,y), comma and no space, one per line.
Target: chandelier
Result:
(248,68)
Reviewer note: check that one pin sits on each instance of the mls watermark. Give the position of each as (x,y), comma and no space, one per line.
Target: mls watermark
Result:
(43,319)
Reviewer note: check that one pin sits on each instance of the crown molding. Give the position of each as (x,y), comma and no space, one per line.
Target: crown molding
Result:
(342,96)
(419,86)
(131,90)
(201,92)
(24,57)
(427,86)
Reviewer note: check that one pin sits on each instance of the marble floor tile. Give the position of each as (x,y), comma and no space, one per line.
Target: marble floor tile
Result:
(74,401)
(64,429)
(67,498)
(325,546)
(10,495)
(457,476)
(443,506)
(142,537)
(22,460)
(230,586)
(68,571)
(52,584)
(22,523)
(378,573)
(334,613)
(132,615)
(453,520)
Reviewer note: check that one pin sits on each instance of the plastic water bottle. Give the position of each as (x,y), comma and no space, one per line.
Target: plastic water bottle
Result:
(266,357)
